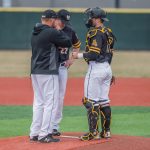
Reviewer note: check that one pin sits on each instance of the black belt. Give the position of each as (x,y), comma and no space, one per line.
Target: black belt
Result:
(62,64)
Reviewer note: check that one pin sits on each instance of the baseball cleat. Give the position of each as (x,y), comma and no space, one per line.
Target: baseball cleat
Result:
(105,135)
(48,139)
(56,132)
(90,136)
(34,139)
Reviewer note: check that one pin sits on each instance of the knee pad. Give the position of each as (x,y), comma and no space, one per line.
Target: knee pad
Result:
(88,104)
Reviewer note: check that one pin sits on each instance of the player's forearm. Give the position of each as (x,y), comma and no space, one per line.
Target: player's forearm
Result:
(87,55)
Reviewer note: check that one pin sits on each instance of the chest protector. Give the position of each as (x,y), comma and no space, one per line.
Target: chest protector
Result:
(111,39)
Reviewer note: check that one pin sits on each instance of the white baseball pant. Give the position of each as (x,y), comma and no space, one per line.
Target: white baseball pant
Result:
(57,111)
(97,82)
(45,89)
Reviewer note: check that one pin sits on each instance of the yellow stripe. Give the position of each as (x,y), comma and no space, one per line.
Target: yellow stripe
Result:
(104,119)
(76,46)
(96,48)
(94,51)
(76,43)
(85,99)
(75,10)
(34,9)
(97,115)
(97,124)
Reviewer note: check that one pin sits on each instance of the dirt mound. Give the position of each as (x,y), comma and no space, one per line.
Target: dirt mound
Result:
(115,143)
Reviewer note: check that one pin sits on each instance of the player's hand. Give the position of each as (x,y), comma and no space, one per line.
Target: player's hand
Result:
(69,63)
(75,55)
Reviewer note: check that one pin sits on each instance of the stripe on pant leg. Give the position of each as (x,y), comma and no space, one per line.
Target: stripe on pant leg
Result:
(89,81)
(52,103)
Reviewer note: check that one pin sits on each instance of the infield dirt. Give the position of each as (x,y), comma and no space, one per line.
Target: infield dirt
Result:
(127,92)
(115,143)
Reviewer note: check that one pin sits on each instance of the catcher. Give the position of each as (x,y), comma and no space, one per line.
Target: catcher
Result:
(99,51)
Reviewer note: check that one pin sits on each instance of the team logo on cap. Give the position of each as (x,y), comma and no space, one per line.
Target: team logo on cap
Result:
(68,17)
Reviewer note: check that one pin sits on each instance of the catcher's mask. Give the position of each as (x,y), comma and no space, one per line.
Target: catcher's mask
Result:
(94,13)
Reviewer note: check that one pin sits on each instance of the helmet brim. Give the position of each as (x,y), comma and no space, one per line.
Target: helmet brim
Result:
(105,19)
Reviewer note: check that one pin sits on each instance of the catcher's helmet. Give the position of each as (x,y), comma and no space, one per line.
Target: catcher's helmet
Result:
(95,13)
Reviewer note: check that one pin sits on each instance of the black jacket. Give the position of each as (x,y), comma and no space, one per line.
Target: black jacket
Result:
(45,55)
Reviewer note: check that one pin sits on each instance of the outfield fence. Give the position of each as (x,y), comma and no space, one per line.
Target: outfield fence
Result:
(131,27)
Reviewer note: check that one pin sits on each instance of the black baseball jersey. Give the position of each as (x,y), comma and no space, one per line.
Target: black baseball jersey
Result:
(44,42)
(64,52)
(99,45)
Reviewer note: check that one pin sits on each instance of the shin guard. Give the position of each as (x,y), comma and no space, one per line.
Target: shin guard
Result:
(93,115)
(105,118)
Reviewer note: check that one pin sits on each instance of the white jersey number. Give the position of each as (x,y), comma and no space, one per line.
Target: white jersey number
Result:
(63,50)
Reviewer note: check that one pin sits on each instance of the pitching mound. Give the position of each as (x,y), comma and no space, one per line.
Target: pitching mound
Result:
(115,143)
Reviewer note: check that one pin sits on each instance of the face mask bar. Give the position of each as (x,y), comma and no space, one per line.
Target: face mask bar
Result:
(88,18)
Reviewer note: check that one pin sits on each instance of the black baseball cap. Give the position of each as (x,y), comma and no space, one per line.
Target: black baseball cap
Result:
(64,16)
(49,14)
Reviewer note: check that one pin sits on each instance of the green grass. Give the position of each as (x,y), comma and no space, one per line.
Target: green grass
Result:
(16,120)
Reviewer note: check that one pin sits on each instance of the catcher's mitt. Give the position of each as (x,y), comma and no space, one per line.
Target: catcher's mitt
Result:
(112,80)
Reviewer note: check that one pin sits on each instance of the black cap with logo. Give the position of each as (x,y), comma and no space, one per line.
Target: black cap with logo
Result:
(49,14)
(64,16)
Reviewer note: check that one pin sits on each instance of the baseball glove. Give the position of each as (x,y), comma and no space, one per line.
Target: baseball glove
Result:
(112,80)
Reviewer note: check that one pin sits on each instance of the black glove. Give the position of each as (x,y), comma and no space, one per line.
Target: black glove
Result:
(112,80)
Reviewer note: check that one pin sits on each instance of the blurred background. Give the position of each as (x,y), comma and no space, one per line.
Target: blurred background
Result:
(129,20)
(77,3)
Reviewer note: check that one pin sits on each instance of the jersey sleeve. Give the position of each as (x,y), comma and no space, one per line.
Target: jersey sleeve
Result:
(75,41)
(60,39)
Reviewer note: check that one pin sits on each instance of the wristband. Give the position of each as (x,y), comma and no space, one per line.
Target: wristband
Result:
(80,55)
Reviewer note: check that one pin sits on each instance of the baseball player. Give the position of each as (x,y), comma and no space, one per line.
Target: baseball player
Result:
(44,74)
(98,55)
(64,21)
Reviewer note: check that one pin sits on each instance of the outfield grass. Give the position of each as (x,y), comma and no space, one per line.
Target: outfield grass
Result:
(125,64)
(16,120)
